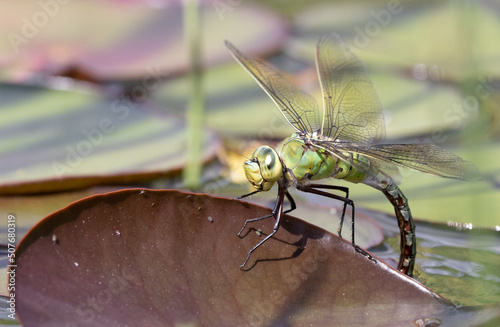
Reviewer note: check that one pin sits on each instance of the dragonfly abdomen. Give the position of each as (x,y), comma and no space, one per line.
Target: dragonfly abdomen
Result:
(348,172)
(406,226)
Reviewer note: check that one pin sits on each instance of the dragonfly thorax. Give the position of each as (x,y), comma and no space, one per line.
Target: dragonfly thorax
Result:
(264,168)
(303,160)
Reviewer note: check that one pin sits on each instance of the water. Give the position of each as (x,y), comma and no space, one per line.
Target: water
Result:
(460,264)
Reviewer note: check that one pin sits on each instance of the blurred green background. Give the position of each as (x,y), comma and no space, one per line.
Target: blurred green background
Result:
(95,99)
(94,95)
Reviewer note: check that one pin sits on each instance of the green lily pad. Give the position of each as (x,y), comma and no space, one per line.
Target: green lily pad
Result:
(30,209)
(59,140)
(165,257)
(235,105)
(455,38)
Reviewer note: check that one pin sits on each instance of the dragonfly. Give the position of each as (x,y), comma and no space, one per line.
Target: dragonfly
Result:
(344,140)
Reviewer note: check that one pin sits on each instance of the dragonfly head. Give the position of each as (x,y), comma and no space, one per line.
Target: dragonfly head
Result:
(264,168)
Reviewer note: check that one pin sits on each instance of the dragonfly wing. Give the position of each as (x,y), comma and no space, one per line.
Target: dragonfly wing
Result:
(299,108)
(351,108)
(427,158)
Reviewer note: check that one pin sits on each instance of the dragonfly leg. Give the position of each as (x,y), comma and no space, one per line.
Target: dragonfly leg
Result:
(277,211)
(346,191)
(245,195)
(252,220)
(293,206)
(275,229)
(313,188)
(363,252)
(345,199)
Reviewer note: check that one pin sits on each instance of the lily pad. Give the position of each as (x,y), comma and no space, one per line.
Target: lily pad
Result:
(456,38)
(141,257)
(231,95)
(30,209)
(59,140)
(124,40)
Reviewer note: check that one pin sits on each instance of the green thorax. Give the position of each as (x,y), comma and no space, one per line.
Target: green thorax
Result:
(307,161)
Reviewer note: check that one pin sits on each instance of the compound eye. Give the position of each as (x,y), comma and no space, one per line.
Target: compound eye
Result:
(269,158)
(270,165)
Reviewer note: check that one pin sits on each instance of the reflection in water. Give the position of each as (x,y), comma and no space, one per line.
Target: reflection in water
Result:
(462,265)
(468,276)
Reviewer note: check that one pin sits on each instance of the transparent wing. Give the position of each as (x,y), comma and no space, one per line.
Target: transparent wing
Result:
(299,108)
(427,158)
(351,108)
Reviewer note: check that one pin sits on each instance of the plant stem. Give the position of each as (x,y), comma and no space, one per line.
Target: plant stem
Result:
(194,113)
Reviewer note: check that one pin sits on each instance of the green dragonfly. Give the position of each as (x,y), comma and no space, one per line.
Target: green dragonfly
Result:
(343,142)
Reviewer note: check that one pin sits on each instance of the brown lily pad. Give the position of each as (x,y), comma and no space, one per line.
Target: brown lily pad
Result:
(158,258)
(125,40)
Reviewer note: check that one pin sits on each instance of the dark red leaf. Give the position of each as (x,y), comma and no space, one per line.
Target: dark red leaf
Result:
(159,258)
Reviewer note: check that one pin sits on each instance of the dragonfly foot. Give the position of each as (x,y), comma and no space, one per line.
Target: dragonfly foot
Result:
(366,254)
(244,263)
